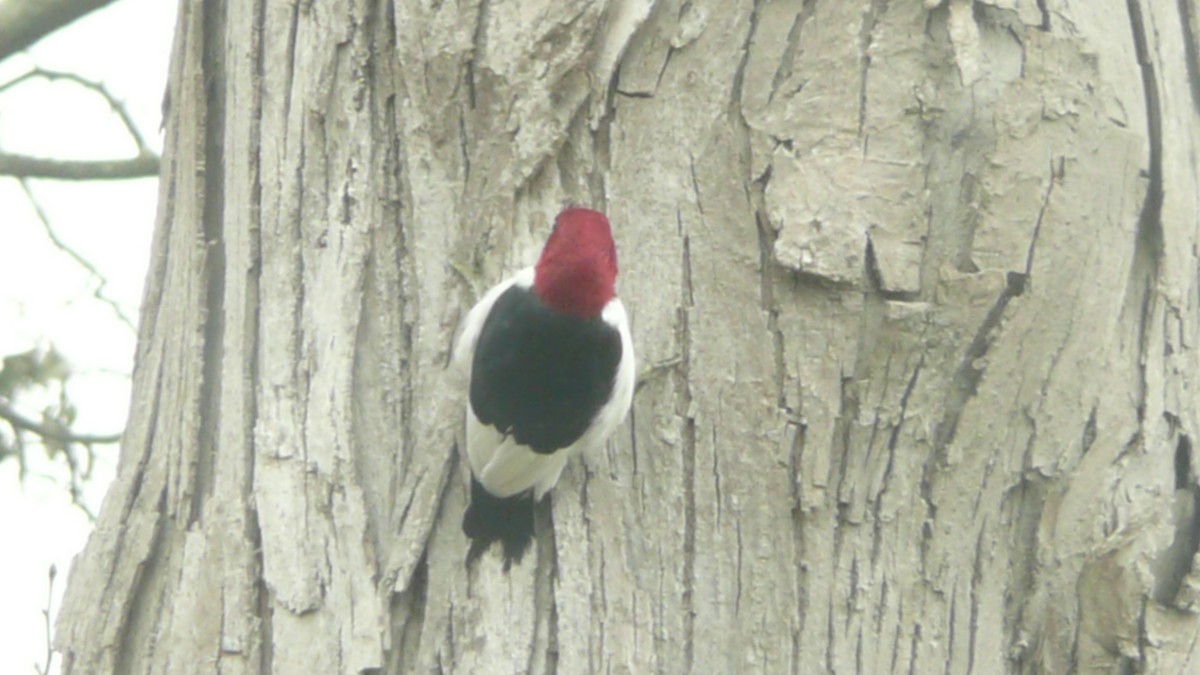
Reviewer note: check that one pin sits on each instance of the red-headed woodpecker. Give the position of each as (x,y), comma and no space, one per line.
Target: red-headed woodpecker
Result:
(550,364)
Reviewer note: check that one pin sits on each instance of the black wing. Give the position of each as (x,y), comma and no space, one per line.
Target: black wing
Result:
(540,375)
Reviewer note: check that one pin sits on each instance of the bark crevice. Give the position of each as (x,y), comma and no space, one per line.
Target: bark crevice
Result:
(1056,174)
(1191,46)
(1148,245)
(142,610)
(689,452)
(213,224)
(976,581)
(965,383)
(866,37)
(1150,220)
(892,443)
(787,60)
(1175,563)
(1044,10)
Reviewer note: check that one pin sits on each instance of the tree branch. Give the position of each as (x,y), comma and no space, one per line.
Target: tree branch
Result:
(24,166)
(116,104)
(46,618)
(83,262)
(145,164)
(22,423)
(24,22)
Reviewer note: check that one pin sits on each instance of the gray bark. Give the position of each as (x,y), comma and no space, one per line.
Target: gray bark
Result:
(915,286)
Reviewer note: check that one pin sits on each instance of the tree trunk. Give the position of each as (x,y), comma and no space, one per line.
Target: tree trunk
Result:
(913,285)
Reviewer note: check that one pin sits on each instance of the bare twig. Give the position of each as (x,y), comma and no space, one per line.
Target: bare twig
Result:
(100,370)
(24,22)
(22,465)
(24,166)
(67,440)
(83,262)
(11,450)
(20,422)
(45,670)
(77,478)
(116,104)
(74,489)
(146,162)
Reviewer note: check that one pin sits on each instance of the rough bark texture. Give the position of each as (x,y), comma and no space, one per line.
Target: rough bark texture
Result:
(915,286)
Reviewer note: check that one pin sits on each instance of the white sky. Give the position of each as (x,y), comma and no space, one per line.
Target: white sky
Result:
(46,297)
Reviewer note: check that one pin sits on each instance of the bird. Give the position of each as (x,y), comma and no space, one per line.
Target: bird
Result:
(550,365)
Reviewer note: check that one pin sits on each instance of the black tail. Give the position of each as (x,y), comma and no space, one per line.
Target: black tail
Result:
(489,518)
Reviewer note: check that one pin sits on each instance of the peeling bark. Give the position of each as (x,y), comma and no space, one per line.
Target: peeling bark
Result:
(914,284)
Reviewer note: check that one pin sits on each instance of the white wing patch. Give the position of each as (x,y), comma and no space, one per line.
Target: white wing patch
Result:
(505,467)
(464,350)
